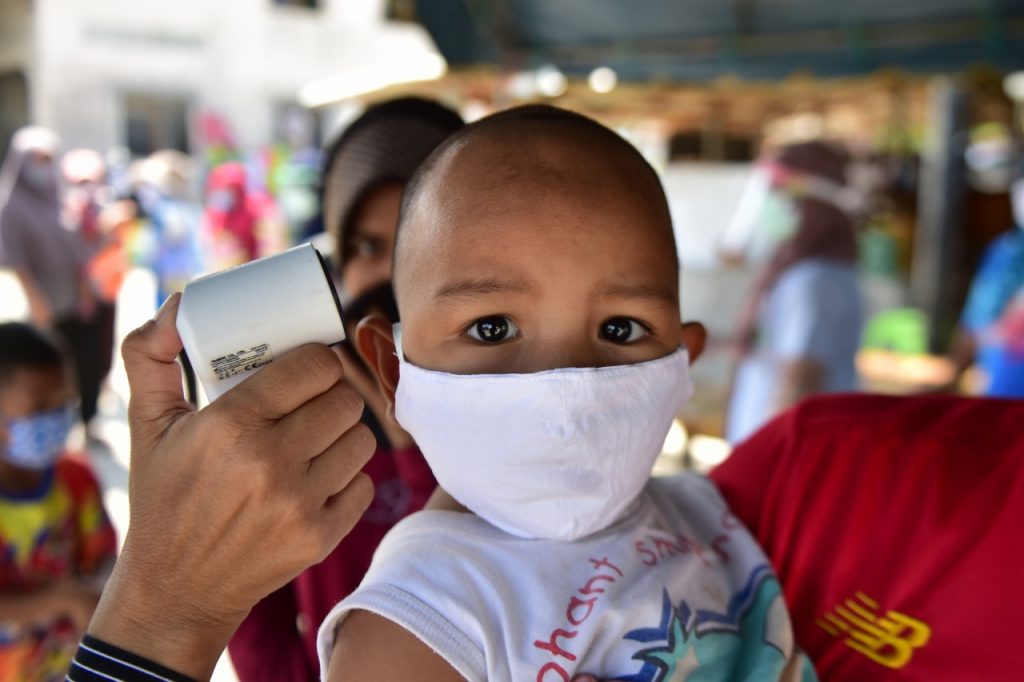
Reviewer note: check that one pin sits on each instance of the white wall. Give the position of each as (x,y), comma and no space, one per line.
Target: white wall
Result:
(233,57)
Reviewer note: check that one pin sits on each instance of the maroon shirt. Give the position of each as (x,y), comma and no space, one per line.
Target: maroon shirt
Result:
(895,527)
(278,639)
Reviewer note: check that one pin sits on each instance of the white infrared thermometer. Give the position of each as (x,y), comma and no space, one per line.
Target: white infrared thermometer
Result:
(236,321)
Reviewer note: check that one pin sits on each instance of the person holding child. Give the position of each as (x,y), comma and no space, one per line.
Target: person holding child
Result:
(363,178)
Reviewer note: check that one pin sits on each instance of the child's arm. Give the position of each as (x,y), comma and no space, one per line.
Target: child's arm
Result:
(371,647)
(67,598)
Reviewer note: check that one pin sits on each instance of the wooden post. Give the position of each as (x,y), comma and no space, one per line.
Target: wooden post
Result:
(938,244)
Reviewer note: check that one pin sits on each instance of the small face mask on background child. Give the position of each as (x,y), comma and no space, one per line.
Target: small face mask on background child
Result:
(37,441)
(571,448)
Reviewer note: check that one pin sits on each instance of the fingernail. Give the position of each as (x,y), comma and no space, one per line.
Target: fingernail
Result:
(169,304)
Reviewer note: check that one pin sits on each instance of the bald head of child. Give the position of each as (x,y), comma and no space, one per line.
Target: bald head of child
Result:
(533,239)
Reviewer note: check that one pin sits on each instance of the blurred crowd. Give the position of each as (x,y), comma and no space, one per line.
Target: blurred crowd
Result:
(75,223)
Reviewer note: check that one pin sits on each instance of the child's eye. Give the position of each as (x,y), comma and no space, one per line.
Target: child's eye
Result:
(494,329)
(622,330)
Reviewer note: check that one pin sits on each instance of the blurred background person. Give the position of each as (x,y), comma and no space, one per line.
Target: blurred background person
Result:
(364,173)
(991,330)
(164,195)
(56,544)
(118,227)
(297,181)
(230,225)
(50,260)
(85,174)
(802,329)
(47,259)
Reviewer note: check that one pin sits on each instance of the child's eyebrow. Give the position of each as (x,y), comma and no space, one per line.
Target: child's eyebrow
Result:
(482,286)
(640,291)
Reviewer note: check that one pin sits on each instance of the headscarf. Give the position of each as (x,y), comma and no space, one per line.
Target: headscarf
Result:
(169,171)
(236,219)
(825,230)
(18,199)
(84,170)
(25,207)
(814,174)
(384,145)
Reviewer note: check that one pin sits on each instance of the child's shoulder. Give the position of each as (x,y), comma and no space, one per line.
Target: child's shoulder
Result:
(437,532)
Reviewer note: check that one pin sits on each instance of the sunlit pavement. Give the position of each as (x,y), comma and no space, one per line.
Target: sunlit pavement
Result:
(110,451)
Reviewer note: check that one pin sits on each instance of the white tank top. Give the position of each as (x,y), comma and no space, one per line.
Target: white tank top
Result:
(677,584)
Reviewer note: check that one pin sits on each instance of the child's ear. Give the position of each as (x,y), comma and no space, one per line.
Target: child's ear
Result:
(375,342)
(693,336)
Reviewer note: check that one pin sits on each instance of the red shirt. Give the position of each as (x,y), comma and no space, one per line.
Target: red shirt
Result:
(278,639)
(895,526)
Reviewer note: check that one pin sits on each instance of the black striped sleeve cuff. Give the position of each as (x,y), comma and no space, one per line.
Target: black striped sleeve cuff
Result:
(97,661)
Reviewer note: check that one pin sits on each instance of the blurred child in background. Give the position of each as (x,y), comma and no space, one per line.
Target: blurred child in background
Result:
(56,543)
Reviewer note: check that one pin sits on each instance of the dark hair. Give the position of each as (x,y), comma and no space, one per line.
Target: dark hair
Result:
(383,146)
(22,346)
(816,157)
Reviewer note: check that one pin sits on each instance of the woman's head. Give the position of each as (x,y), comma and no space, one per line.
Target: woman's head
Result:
(225,188)
(30,164)
(364,175)
(812,177)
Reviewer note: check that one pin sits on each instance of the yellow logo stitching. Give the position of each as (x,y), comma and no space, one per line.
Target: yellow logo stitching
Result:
(889,640)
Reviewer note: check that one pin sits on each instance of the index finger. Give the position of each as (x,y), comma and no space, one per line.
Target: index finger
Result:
(286,384)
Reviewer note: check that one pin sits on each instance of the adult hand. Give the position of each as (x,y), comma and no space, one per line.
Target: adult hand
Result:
(231,502)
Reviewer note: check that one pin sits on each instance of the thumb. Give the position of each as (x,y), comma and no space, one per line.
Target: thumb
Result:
(150,359)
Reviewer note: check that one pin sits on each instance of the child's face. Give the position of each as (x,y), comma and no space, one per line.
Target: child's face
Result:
(30,391)
(521,260)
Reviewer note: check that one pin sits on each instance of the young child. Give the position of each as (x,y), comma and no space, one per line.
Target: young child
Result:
(56,544)
(538,365)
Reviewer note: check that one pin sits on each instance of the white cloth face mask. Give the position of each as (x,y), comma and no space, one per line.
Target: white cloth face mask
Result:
(558,454)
